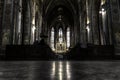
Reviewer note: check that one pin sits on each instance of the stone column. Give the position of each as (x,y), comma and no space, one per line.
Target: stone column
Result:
(19,33)
(37,26)
(7,24)
(1,19)
(78,28)
(95,22)
(105,26)
(102,36)
(40,19)
(26,23)
(89,21)
(43,18)
(34,18)
(40,26)
(72,37)
(82,16)
(84,31)
(75,30)
(110,22)
(17,22)
(79,8)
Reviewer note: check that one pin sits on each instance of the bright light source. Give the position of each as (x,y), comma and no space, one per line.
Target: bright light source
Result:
(88,29)
(103,9)
(88,21)
(100,12)
(33,29)
(103,2)
(33,21)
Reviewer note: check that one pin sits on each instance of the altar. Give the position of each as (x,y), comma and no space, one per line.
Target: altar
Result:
(60,47)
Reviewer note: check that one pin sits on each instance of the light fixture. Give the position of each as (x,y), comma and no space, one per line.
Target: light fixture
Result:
(103,2)
(88,21)
(33,29)
(88,29)
(103,9)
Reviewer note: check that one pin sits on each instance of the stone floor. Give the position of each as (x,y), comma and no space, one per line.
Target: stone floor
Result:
(59,70)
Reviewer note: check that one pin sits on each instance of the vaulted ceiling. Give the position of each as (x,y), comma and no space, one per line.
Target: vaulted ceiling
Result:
(60,11)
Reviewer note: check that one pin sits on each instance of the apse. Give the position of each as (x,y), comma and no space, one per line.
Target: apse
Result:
(60,23)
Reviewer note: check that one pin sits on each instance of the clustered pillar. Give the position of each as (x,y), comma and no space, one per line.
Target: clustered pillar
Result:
(95,22)
(19,19)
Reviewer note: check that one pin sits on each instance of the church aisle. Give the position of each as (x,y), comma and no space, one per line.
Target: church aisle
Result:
(59,70)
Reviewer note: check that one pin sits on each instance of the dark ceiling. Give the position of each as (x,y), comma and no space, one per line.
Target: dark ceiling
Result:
(60,11)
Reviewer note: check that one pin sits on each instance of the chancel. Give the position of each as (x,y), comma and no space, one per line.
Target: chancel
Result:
(53,29)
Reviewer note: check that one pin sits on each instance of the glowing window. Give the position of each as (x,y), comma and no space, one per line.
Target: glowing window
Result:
(52,38)
(60,35)
(68,37)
